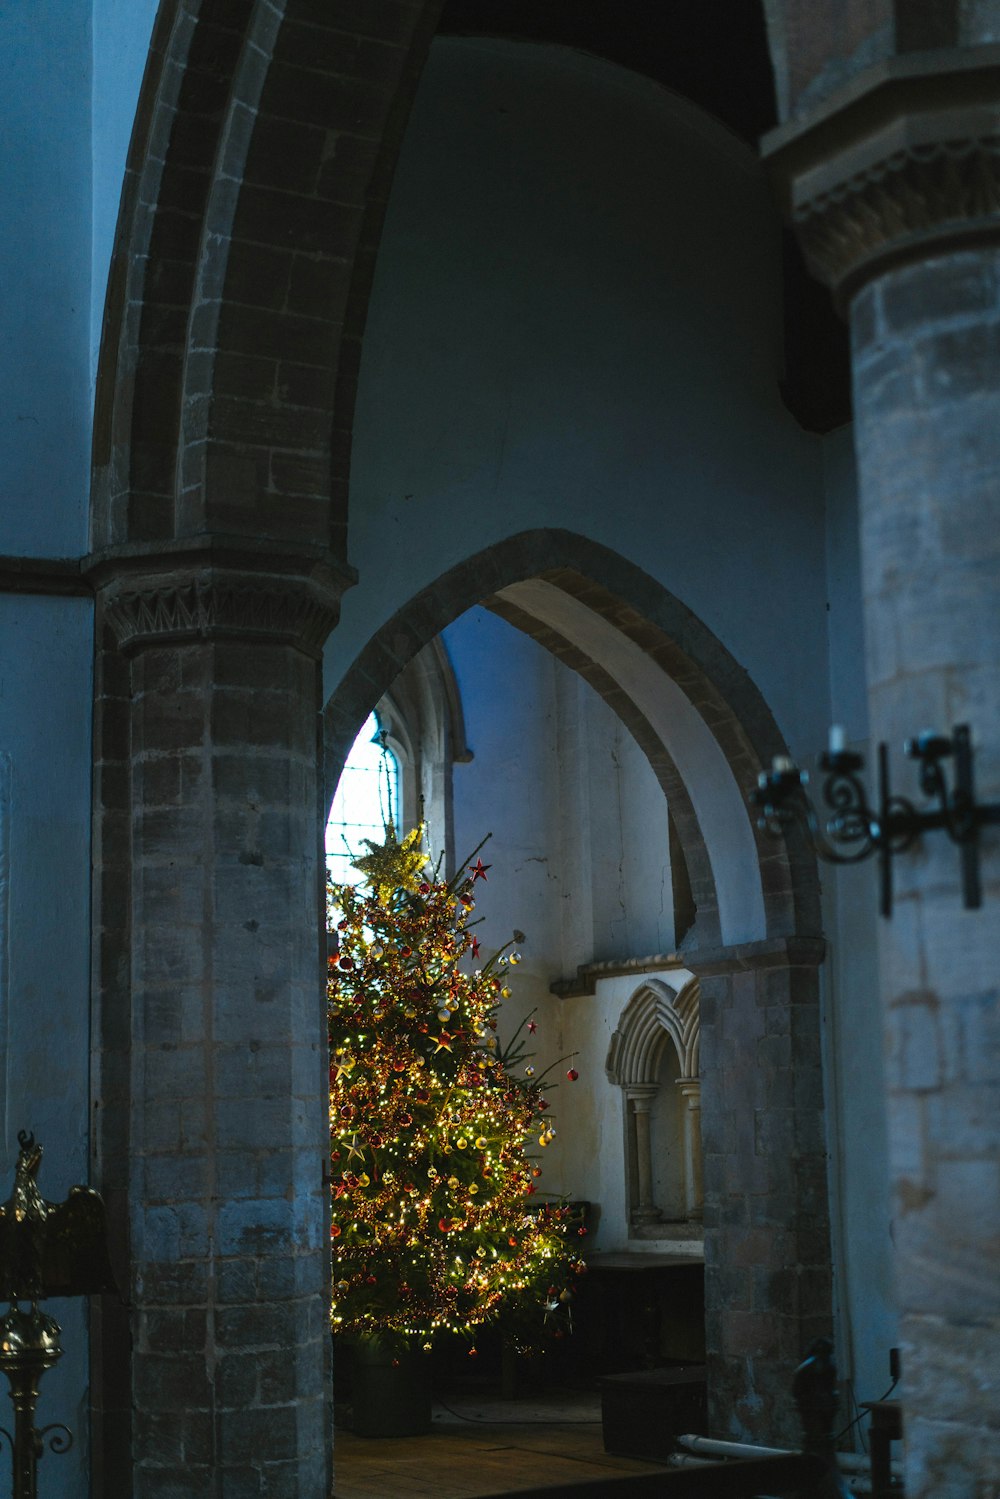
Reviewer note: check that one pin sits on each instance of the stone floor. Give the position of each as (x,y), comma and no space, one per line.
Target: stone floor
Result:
(484,1446)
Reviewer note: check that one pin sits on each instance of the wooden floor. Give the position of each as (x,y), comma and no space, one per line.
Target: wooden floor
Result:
(483,1447)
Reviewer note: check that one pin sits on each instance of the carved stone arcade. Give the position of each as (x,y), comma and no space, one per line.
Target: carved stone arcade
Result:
(655,1014)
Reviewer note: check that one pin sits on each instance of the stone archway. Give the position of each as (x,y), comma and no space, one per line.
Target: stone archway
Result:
(257,182)
(766,1215)
(609,599)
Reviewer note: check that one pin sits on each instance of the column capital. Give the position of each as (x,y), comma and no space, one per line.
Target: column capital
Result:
(211,588)
(900,164)
(641,1094)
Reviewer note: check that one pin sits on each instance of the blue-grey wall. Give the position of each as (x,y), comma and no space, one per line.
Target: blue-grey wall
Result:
(575,323)
(45,401)
(69,80)
(45,693)
(121,33)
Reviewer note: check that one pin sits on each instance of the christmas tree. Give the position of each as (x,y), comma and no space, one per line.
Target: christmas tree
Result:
(435,1139)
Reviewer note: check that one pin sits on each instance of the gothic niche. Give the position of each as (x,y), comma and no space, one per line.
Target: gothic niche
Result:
(653,1058)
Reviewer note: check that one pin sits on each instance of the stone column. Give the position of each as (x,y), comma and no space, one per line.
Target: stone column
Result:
(768,1280)
(690,1088)
(896,191)
(228,1117)
(640,1096)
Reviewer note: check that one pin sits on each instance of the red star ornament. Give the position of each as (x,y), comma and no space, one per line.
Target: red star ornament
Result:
(532,1027)
(478,870)
(475,947)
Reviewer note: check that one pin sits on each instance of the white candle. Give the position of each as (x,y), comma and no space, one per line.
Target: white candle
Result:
(838,739)
(782,763)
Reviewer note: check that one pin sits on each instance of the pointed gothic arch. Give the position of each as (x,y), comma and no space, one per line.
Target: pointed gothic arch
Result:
(701,721)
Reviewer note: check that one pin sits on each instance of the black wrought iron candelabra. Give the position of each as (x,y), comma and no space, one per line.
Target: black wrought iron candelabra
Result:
(853,830)
(46,1249)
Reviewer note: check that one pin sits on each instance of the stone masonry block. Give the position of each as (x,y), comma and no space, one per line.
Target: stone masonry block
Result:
(179,1379)
(172,1178)
(186,1482)
(174,1072)
(915,1060)
(271,1121)
(962,1121)
(237,1380)
(255,1226)
(173,1330)
(260,1326)
(178,1232)
(919,294)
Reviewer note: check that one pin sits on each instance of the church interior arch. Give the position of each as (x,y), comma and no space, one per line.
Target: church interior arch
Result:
(576,407)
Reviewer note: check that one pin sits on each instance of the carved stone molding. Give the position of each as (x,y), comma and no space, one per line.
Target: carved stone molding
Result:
(904,164)
(191,595)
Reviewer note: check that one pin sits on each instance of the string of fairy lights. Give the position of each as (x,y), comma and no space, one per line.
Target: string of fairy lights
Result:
(435,1128)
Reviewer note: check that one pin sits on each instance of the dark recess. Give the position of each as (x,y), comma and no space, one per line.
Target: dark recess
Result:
(715,53)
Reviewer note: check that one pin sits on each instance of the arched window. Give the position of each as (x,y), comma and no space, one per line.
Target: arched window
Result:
(367,798)
(421,718)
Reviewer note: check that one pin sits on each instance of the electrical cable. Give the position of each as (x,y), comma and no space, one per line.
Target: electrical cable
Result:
(861,1414)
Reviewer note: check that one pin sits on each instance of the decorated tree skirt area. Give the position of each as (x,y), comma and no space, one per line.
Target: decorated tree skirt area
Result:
(382,1391)
(478,1444)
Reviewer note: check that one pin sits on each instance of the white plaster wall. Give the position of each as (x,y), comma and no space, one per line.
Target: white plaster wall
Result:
(509,789)
(579,854)
(724,816)
(45,698)
(580,839)
(615,890)
(575,323)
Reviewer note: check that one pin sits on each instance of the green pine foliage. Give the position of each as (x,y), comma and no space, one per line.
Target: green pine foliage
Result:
(436,1141)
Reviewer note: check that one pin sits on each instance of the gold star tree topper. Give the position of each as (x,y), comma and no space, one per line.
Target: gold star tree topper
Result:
(393,865)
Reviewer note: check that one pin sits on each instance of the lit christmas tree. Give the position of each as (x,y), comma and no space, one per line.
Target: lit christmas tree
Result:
(435,1142)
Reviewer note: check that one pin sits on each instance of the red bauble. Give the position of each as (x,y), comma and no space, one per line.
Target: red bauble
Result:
(572,1074)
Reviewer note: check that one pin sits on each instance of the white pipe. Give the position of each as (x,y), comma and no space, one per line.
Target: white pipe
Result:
(848,1462)
(729,1449)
